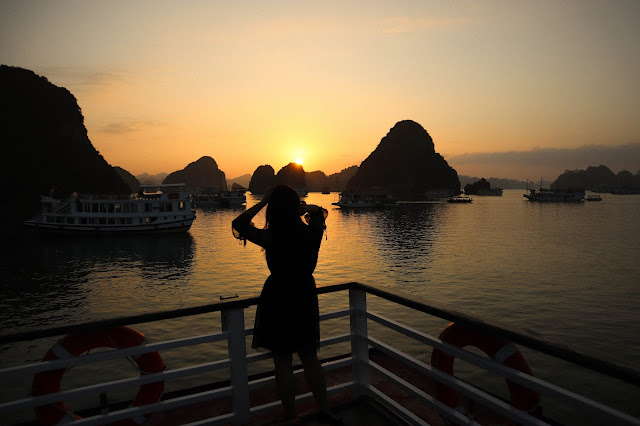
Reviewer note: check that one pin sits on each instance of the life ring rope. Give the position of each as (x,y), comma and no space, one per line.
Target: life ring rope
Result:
(132,361)
(505,352)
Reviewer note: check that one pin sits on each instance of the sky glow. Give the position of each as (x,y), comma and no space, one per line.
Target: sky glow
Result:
(163,83)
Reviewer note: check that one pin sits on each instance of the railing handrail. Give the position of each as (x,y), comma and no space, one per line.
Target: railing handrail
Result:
(234,331)
(225,304)
(512,333)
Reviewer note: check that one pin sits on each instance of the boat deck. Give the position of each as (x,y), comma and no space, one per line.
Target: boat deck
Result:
(351,408)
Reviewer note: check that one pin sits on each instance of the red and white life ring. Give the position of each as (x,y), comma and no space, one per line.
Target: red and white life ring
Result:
(497,348)
(76,344)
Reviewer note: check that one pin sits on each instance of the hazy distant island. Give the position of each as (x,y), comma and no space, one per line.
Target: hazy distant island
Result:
(599,179)
(503,183)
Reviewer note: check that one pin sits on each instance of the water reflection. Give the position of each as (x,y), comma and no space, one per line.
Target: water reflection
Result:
(51,280)
(405,237)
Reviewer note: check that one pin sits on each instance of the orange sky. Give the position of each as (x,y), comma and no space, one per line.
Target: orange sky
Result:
(163,83)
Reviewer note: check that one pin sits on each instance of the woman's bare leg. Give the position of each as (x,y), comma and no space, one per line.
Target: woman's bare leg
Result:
(285,382)
(315,377)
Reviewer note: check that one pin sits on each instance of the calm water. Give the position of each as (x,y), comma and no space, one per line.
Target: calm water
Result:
(569,272)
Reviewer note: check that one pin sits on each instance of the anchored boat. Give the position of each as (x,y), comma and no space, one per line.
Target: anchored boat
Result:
(358,200)
(154,208)
(233,198)
(460,200)
(553,196)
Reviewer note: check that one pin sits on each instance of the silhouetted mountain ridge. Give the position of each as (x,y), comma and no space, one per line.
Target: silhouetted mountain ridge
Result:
(130,179)
(264,176)
(46,144)
(202,173)
(406,165)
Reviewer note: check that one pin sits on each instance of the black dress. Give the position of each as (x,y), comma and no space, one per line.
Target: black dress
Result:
(287,316)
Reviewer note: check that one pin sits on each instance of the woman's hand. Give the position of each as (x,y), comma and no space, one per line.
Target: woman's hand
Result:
(307,208)
(266,197)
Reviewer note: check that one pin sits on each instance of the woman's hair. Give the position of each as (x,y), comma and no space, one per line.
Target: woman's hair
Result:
(283,208)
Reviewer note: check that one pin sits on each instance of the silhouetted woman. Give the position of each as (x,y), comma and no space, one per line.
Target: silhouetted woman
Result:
(287,316)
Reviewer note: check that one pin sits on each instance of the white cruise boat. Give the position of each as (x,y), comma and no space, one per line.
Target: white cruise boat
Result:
(155,208)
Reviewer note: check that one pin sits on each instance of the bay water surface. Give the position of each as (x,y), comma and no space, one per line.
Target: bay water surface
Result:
(569,272)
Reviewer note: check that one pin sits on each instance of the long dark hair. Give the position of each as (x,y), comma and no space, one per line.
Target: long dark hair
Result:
(283,208)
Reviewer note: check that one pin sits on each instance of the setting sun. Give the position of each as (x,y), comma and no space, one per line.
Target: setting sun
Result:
(299,161)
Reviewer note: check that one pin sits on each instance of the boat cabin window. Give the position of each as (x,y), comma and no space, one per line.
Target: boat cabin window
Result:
(117,208)
(181,205)
(147,207)
(94,207)
(110,207)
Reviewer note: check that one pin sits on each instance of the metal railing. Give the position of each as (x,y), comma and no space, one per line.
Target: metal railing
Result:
(240,385)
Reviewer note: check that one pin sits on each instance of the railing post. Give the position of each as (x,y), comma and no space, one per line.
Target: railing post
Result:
(233,324)
(359,345)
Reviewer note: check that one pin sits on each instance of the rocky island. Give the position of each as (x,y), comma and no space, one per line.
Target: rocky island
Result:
(406,165)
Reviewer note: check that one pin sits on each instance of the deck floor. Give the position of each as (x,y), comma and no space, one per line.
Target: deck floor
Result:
(362,411)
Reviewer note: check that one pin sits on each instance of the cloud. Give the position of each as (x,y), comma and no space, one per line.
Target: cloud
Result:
(620,157)
(121,127)
(413,25)
(82,78)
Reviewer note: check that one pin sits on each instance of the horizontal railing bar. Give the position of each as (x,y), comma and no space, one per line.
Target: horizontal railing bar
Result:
(261,356)
(271,406)
(328,366)
(424,397)
(225,419)
(113,354)
(517,335)
(420,394)
(484,363)
(332,288)
(335,340)
(39,400)
(401,411)
(236,303)
(472,392)
(335,314)
(156,407)
(516,376)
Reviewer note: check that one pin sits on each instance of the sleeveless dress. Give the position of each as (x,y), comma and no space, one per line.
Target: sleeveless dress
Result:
(287,316)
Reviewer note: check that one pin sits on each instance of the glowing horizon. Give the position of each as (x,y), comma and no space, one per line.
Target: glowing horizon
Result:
(325,82)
